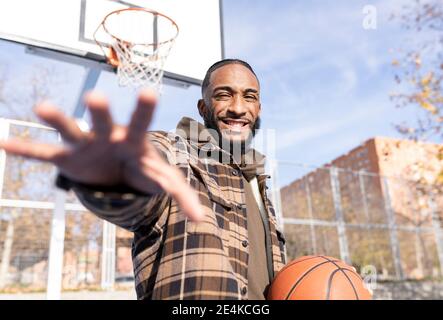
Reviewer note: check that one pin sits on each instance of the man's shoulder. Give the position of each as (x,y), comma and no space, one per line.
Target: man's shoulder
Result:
(161,136)
(164,136)
(170,143)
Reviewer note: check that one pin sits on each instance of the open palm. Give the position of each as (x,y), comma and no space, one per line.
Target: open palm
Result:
(110,154)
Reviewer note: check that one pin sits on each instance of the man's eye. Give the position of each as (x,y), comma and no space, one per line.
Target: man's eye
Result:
(223,95)
(251,97)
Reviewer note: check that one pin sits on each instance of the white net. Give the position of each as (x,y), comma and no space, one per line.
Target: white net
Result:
(140,42)
(138,68)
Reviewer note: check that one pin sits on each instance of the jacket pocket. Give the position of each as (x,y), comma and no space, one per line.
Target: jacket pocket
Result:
(202,227)
(214,191)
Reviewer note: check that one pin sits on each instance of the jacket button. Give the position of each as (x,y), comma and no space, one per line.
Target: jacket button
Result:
(234,172)
(244,290)
(244,243)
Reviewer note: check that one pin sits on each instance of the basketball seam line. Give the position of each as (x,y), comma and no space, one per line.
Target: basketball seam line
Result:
(340,268)
(331,276)
(301,278)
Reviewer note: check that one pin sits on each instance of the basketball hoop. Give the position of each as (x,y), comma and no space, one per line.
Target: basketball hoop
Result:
(137,41)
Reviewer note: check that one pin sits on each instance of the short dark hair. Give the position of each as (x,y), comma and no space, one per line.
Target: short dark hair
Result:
(220,64)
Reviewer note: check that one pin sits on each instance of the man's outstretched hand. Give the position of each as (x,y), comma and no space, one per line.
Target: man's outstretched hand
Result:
(110,154)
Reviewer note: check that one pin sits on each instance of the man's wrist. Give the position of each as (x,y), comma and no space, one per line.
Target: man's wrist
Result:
(117,191)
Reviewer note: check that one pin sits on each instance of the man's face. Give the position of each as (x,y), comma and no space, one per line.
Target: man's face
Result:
(231,103)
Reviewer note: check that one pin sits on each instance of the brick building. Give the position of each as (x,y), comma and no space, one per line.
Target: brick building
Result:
(381,181)
(408,165)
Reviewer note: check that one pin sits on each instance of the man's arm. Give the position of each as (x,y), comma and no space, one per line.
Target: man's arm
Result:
(121,205)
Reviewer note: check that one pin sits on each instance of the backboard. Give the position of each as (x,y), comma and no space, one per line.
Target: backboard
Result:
(68,26)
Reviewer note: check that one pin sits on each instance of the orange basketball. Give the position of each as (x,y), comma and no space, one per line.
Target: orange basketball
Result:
(318,278)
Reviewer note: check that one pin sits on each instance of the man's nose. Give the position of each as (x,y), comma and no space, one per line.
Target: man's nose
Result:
(237,107)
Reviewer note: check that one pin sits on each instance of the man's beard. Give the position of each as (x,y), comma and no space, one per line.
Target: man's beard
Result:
(210,122)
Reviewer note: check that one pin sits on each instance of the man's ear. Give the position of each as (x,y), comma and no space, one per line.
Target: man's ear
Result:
(201,105)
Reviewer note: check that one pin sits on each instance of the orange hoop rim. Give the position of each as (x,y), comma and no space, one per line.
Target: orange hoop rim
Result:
(144,10)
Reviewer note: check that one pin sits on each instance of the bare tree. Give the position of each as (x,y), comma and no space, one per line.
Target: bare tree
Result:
(419,74)
(26,232)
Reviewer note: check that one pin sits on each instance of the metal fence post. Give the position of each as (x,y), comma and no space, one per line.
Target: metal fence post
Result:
(4,263)
(276,198)
(311,216)
(341,229)
(108,256)
(363,193)
(395,247)
(437,231)
(4,134)
(363,196)
(56,247)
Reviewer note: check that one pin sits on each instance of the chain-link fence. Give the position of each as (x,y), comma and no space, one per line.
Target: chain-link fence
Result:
(91,254)
(389,223)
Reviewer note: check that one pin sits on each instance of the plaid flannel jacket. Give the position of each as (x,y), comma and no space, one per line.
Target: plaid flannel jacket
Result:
(173,257)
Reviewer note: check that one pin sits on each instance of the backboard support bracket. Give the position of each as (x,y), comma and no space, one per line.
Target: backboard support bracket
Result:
(169,78)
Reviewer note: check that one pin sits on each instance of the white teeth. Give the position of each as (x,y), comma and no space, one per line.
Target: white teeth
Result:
(235,124)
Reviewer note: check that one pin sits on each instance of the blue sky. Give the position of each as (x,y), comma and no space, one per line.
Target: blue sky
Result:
(325,80)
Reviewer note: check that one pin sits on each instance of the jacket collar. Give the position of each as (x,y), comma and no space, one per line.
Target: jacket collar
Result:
(251,163)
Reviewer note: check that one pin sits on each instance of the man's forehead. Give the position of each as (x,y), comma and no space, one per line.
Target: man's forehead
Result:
(234,75)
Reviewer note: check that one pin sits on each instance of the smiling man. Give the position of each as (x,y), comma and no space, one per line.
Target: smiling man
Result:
(195,199)
(231,100)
